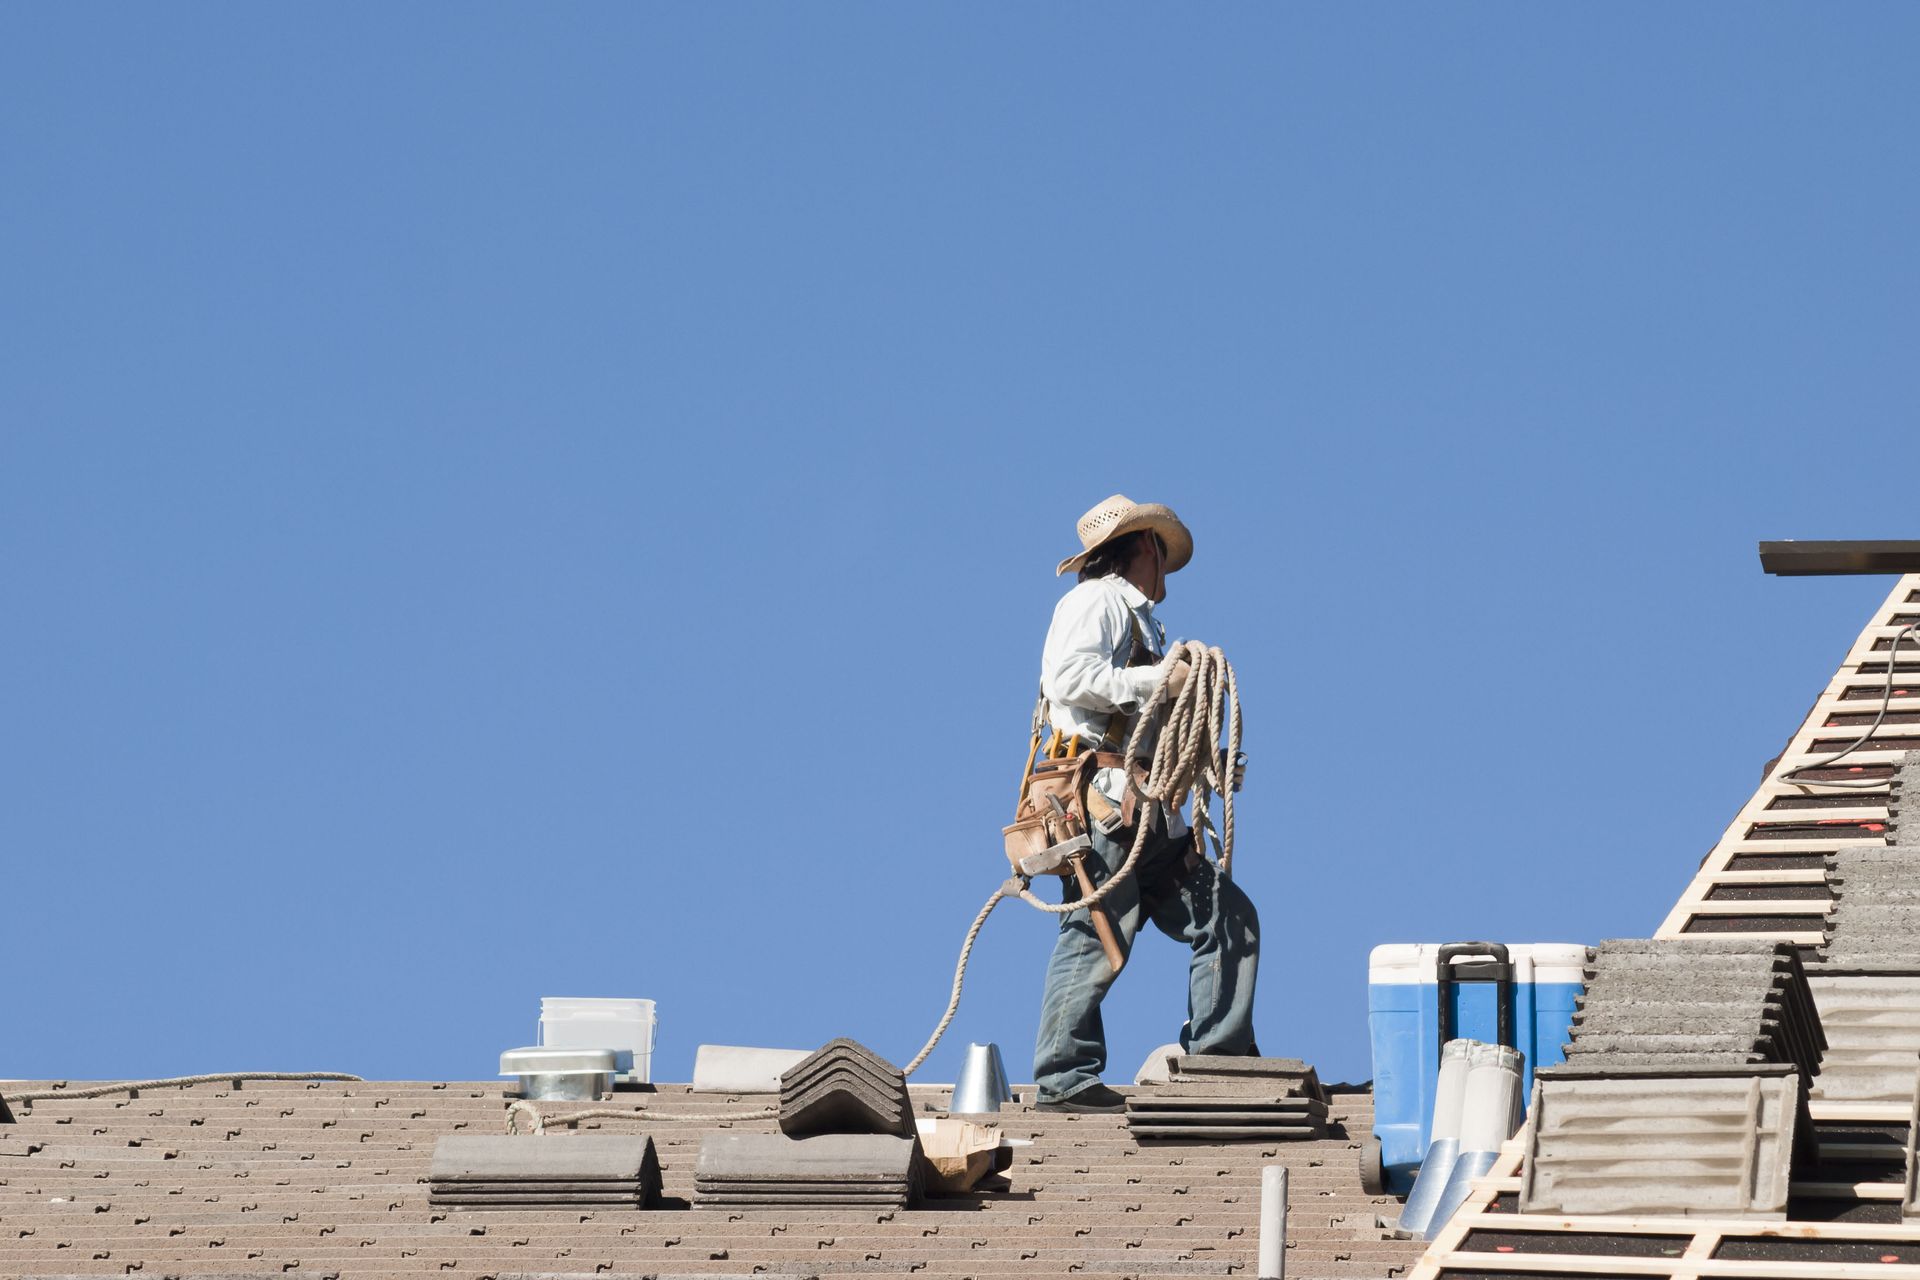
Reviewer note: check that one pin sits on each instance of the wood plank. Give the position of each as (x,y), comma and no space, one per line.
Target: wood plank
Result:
(1790,875)
(1812,908)
(1841,813)
(1849,1190)
(1667,1268)
(1859,1112)
(1797,939)
(1657,1226)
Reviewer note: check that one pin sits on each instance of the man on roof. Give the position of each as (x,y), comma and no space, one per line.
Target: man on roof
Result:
(1105,654)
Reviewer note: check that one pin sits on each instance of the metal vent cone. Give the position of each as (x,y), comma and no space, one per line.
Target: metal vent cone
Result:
(982,1085)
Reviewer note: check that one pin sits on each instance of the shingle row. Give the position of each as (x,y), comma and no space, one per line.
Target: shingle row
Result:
(479,1171)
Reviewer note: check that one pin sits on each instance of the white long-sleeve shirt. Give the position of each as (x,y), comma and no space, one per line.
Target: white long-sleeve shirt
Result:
(1083,667)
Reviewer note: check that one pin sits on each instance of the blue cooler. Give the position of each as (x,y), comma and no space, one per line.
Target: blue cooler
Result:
(1520,994)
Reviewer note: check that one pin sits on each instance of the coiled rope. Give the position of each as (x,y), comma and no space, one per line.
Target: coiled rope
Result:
(172,1082)
(1187,761)
(537,1123)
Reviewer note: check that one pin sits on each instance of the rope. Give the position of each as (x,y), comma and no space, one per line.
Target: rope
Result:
(1187,762)
(1010,889)
(537,1123)
(1886,701)
(134,1086)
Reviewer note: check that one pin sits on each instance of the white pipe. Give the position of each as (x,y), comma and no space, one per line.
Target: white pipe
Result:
(1273,1222)
(1443,1148)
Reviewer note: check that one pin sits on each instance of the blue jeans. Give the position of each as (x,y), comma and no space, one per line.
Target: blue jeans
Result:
(1212,916)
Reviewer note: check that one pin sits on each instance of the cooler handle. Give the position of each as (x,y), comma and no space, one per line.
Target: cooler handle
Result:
(1501,977)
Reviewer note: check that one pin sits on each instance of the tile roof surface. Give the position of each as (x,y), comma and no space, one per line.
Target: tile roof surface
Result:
(315,1179)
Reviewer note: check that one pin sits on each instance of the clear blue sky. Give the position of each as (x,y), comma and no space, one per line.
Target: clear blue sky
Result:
(516,501)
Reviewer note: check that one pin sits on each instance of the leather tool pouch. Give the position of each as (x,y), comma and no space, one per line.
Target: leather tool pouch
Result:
(1052,810)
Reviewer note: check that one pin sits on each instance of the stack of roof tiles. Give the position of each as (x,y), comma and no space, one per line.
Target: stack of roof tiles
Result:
(845,1087)
(847,1138)
(478,1171)
(1867,977)
(1684,1086)
(1659,1004)
(826,1171)
(1214,1098)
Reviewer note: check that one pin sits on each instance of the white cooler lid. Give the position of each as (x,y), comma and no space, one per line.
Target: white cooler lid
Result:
(1401,963)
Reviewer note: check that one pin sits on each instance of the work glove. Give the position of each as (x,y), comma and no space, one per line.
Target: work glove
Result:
(1175,671)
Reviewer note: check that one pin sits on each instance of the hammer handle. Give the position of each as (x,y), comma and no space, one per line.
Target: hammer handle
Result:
(1102,923)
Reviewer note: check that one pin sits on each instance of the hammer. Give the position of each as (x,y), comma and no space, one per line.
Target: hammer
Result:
(1073,853)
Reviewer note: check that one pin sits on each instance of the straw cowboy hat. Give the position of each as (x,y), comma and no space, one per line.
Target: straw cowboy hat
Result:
(1122,515)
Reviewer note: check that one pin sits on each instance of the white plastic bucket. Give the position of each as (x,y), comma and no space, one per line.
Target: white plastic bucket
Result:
(588,1022)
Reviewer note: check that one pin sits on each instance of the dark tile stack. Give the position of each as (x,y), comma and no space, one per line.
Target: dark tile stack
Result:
(1684,1089)
(1696,1004)
(1211,1098)
(845,1087)
(479,1171)
(827,1171)
(846,1137)
(1227,1072)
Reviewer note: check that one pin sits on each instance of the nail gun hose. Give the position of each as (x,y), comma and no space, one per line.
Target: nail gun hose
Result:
(1186,762)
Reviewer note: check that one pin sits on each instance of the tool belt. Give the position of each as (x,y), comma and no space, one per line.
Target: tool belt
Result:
(1057,798)
(1058,801)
